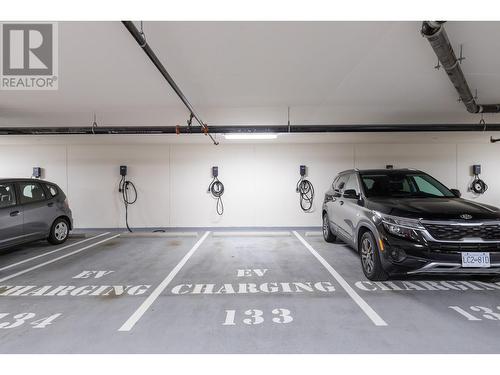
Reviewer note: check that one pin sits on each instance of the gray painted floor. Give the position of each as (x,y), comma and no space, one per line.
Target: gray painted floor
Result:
(230,294)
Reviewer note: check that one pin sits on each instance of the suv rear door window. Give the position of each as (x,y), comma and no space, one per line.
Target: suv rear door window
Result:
(7,196)
(31,192)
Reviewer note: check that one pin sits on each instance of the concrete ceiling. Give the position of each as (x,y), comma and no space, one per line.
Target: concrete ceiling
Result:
(250,72)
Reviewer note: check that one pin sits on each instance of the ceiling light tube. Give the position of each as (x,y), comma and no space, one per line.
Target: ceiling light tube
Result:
(252,136)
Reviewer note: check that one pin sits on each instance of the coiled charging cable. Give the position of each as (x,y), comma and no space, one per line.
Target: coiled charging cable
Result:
(216,188)
(306,190)
(478,186)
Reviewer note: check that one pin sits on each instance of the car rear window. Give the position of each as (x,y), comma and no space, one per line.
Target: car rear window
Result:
(53,191)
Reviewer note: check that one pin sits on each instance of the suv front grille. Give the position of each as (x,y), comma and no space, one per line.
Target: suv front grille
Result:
(447,232)
(463,247)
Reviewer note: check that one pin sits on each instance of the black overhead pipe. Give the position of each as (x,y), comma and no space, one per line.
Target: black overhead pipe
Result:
(141,40)
(293,129)
(436,35)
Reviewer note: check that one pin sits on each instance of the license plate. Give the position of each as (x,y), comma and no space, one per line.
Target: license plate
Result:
(480,260)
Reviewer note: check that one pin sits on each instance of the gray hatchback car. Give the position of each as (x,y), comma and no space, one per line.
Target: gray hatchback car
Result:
(32,210)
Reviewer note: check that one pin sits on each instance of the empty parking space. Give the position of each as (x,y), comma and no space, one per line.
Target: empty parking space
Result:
(251,294)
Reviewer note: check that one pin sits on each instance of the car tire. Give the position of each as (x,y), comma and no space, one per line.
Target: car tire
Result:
(370,258)
(59,232)
(327,232)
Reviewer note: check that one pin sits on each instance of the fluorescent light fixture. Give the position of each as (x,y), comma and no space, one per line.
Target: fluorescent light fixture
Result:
(251,136)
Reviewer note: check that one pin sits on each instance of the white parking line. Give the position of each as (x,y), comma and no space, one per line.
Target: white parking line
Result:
(51,252)
(56,259)
(375,318)
(134,318)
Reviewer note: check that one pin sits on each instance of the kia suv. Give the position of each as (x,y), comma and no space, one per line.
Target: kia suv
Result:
(405,222)
(31,210)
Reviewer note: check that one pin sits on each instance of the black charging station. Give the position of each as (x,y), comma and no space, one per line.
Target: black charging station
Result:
(123,170)
(37,172)
(476,169)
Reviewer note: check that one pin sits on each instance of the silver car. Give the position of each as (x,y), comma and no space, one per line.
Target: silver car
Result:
(32,210)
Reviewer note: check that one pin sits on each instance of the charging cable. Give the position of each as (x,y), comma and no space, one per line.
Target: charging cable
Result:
(478,186)
(124,189)
(306,191)
(216,188)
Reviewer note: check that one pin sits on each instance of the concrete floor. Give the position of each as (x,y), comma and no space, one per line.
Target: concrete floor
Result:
(236,293)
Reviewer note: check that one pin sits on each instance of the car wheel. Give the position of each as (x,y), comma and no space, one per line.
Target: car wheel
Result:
(59,232)
(327,232)
(370,258)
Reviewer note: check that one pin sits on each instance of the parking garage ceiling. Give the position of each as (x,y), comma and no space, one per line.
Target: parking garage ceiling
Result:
(250,73)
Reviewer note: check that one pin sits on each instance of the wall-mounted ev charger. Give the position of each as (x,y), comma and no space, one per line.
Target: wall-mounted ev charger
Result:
(216,188)
(125,187)
(477,186)
(37,172)
(123,170)
(305,189)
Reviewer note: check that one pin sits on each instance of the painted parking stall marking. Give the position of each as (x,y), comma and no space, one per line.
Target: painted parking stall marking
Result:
(52,252)
(92,274)
(478,313)
(15,320)
(402,286)
(367,309)
(255,316)
(129,324)
(57,259)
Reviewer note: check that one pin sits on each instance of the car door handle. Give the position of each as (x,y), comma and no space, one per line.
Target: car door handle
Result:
(341,203)
(14,213)
(50,204)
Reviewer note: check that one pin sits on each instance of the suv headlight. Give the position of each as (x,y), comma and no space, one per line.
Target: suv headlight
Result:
(402,227)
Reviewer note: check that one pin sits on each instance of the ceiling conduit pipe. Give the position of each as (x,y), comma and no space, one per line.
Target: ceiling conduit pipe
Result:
(222,129)
(436,35)
(141,40)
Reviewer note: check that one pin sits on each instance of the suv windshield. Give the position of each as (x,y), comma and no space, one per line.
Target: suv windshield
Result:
(403,185)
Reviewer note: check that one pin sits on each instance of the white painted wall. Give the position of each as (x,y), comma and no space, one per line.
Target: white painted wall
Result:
(260,179)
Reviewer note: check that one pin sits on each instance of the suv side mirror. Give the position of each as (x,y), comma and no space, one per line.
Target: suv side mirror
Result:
(456,193)
(351,194)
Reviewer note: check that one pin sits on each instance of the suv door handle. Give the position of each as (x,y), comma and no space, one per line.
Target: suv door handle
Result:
(14,213)
(50,204)
(341,203)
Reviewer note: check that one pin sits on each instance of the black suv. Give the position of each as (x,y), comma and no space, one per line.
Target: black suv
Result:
(403,221)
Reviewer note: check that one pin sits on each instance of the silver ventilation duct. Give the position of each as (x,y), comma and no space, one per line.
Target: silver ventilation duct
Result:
(436,35)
